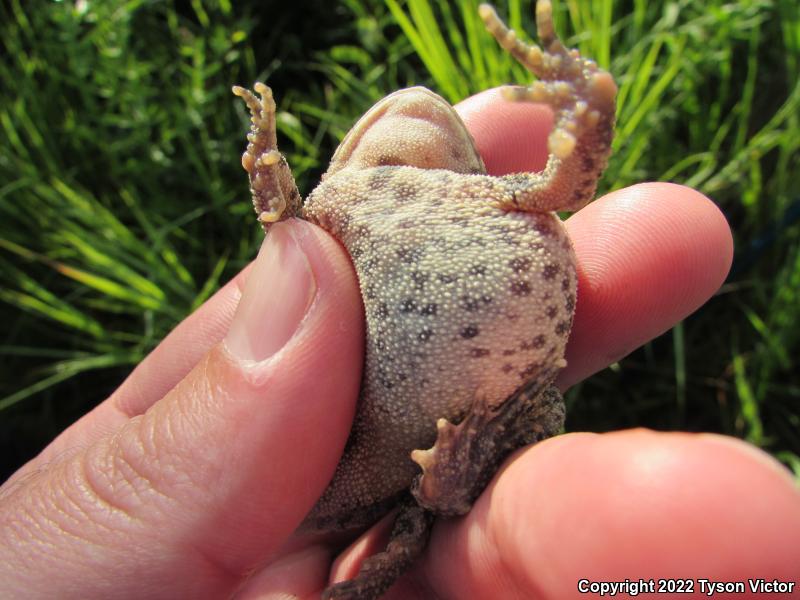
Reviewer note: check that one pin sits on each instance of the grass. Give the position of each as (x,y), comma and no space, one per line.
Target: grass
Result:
(123,206)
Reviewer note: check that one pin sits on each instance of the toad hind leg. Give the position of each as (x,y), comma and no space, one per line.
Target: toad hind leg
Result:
(455,471)
(582,97)
(408,539)
(275,195)
(466,456)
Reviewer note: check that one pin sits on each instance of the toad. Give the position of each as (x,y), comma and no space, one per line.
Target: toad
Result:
(468,282)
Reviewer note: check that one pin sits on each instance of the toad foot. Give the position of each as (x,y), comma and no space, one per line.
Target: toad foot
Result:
(275,195)
(466,456)
(582,98)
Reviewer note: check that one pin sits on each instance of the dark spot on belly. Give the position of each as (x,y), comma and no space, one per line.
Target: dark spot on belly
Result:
(479,352)
(534,344)
(382,311)
(469,304)
(520,264)
(406,255)
(429,310)
(569,303)
(477,270)
(408,305)
(404,189)
(419,278)
(529,370)
(544,226)
(470,331)
(384,379)
(378,179)
(550,271)
(520,287)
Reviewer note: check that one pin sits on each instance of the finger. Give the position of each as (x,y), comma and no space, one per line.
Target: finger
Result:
(511,137)
(195,490)
(627,505)
(157,374)
(648,256)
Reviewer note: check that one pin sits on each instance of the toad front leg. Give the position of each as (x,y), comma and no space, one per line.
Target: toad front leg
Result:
(275,195)
(582,97)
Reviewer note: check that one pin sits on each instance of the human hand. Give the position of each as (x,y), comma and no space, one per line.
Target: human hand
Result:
(629,504)
(189,480)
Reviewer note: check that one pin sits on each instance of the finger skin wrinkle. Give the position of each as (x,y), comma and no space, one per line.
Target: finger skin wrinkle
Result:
(114,472)
(27,529)
(145,465)
(191,426)
(107,482)
(215,568)
(52,514)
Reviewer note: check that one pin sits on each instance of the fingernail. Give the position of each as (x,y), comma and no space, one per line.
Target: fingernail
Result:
(276,297)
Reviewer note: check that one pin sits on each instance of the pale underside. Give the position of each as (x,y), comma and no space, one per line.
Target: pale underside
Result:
(462,299)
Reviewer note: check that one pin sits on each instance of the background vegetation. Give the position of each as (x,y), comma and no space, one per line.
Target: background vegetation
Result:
(123,205)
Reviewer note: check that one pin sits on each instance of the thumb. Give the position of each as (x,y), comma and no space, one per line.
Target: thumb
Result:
(186,499)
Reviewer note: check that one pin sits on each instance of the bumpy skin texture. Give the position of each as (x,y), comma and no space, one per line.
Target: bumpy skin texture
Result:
(468,282)
(463,298)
